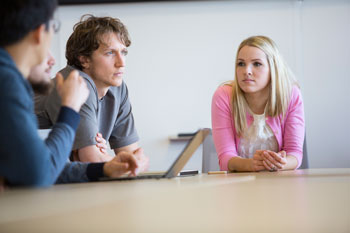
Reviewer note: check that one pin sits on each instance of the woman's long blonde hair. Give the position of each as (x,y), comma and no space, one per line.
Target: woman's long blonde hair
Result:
(281,83)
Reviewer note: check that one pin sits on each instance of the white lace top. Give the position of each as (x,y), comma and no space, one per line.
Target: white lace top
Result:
(259,136)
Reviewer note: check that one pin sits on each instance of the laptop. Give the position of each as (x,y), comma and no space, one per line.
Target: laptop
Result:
(178,164)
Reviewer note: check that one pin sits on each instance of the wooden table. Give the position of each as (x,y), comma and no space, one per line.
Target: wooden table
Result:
(313,200)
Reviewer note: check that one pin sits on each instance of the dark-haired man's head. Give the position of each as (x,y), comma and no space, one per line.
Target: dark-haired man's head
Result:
(98,47)
(27,28)
(20,17)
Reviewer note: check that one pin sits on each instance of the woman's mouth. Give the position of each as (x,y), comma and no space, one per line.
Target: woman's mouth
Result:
(248,80)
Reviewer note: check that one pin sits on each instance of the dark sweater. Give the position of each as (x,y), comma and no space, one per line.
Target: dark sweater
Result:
(25,159)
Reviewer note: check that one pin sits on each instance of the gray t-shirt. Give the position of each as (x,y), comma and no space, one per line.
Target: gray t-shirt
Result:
(111,115)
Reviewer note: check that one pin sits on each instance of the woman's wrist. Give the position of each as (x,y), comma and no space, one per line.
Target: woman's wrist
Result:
(249,165)
(240,164)
(229,165)
(292,163)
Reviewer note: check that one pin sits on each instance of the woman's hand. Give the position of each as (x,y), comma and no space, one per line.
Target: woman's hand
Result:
(257,162)
(273,161)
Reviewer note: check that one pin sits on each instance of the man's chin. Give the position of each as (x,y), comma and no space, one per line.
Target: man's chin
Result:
(117,82)
(42,88)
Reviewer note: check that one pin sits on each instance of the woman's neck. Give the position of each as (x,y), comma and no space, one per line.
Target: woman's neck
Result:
(257,101)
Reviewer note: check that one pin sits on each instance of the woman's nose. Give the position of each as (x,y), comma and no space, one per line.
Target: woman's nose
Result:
(248,70)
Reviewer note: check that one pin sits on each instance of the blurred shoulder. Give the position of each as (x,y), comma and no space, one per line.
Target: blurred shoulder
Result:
(296,92)
(224,89)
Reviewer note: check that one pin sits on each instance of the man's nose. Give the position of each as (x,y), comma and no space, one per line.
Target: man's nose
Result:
(119,60)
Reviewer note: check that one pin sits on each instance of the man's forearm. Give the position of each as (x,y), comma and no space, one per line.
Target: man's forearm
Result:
(129,148)
(93,154)
(105,157)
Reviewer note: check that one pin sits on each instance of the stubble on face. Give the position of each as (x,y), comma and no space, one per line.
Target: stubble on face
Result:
(39,76)
(40,79)
(42,88)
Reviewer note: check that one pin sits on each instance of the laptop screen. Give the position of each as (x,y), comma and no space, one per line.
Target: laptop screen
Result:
(186,154)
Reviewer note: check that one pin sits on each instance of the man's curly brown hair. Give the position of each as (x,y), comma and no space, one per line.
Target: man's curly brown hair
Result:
(86,37)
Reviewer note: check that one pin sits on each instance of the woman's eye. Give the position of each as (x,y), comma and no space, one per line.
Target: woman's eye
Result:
(257,64)
(109,53)
(240,64)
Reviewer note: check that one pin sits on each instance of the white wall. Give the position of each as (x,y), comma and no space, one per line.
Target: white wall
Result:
(326,81)
(181,51)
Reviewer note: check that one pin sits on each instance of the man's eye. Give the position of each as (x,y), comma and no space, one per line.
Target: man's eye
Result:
(109,53)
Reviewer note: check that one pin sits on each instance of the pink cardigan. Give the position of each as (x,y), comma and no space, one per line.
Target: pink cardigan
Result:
(289,131)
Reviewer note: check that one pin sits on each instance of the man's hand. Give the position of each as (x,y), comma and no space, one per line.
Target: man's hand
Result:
(101,143)
(122,163)
(73,90)
(2,184)
(142,160)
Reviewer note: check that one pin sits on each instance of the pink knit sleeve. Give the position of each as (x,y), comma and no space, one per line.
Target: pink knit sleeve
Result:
(294,127)
(223,126)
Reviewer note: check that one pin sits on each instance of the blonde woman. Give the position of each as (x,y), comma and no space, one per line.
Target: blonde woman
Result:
(258,118)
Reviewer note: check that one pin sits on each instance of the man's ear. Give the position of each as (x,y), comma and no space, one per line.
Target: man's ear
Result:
(84,61)
(38,34)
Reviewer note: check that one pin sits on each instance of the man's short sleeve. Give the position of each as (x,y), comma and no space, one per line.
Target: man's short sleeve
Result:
(88,127)
(111,115)
(124,132)
(47,109)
